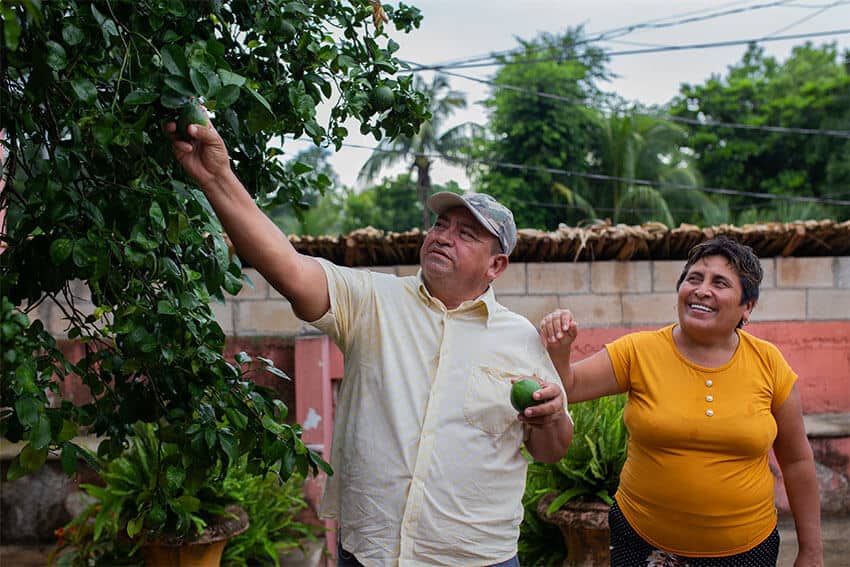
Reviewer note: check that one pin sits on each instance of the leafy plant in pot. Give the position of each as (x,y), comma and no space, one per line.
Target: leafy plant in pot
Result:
(576,492)
(146,511)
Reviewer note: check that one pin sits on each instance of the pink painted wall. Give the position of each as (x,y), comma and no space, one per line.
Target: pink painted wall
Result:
(818,351)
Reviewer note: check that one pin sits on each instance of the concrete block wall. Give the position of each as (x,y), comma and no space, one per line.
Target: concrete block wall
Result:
(600,294)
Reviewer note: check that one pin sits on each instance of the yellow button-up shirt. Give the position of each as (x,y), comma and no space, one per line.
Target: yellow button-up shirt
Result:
(426,445)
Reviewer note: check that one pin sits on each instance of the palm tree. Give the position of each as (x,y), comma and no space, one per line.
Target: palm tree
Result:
(426,143)
(639,146)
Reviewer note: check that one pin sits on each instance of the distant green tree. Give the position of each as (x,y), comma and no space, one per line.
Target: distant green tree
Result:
(388,206)
(420,148)
(317,208)
(635,145)
(539,133)
(811,89)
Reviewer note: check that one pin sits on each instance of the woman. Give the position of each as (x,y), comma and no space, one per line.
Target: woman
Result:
(707,401)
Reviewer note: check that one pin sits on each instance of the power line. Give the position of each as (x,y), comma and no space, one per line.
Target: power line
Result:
(807,17)
(601,177)
(662,49)
(656,23)
(682,119)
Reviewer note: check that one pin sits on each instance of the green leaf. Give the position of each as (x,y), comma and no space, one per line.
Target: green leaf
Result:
(68,431)
(40,433)
(229,445)
(262,100)
(56,57)
(174,60)
(232,284)
(189,503)
(271,425)
(227,96)
(230,78)
(174,478)
(84,89)
(32,458)
(60,250)
(72,34)
(199,81)
(180,85)
(236,418)
(278,372)
(11,28)
(156,216)
(140,97)
(69,458)
(28,410)
(110,28)
(165,308)
(134,526)
(170,100)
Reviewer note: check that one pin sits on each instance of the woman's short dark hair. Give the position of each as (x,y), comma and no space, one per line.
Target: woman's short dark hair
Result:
(740,256)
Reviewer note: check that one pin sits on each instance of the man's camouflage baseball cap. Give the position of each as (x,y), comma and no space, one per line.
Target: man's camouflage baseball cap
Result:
(494,216)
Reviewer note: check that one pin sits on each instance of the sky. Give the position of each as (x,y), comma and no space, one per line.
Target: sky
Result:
(457,29)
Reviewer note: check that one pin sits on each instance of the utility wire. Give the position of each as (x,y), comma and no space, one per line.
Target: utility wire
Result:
(663,49)
(682,119)
(807,18)
(624,30)
(458,160)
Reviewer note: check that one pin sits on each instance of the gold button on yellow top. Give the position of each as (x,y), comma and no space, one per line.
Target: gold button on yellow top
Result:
(709,413)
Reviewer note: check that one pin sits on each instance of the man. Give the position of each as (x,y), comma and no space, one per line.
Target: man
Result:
(426,447)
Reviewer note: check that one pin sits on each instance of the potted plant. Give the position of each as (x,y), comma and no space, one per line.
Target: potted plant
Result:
(575,493)
(129,519)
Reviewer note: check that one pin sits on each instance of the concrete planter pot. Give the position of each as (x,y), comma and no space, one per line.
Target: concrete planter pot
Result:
(584,526)
(205,551)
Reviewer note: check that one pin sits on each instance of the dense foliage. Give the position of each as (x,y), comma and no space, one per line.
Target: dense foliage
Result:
(589,472)
(539,133)
(810,90)
(430,142)
(94,194)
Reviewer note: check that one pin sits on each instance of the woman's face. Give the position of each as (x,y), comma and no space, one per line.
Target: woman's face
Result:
(710,298)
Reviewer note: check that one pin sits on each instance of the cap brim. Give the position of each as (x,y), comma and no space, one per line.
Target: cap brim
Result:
(441,202)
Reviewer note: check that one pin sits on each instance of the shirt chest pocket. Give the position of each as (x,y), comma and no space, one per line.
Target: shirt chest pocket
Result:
(487,405)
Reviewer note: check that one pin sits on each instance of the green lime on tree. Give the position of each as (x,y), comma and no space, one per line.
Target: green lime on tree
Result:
(382,98)
(522,394)
(190,113)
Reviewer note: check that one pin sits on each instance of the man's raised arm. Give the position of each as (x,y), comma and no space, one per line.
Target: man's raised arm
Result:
(297,277)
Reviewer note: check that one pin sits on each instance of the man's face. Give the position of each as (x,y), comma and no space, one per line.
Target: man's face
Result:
(458,246)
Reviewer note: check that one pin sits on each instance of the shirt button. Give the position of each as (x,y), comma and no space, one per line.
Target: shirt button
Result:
(709,413)
(709,383)
(709,398)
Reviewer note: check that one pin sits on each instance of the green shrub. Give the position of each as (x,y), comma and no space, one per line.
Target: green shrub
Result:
(129,507)
(591,469)
(272,508)
(540,542)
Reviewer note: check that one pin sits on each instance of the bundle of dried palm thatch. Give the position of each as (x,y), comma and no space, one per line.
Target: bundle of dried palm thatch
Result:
(649,241)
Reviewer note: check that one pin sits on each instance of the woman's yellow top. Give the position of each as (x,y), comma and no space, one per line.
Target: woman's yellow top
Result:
(696,481)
